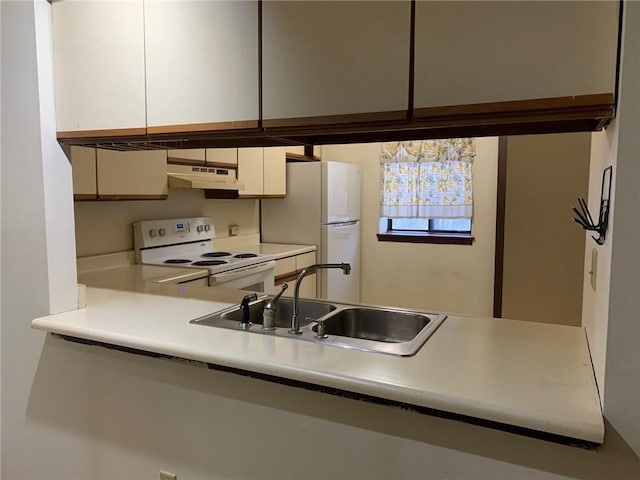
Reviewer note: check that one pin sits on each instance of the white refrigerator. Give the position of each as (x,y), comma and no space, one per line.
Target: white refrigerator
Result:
(322,208)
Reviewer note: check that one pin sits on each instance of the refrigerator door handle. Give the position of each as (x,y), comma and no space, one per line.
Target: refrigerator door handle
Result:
(343,224)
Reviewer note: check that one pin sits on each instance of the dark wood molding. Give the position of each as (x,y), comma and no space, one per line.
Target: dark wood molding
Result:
(204,127)
(547,115)
(111,198)
(295,157)
(107,133)
(332,120)
(412,61)
(185,161)
(84,197)
(498,276)
(308,150)
(436,238)
(217,194)
(597,106)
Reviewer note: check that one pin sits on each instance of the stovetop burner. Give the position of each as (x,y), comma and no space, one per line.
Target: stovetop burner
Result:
(216,254)
(209,263)
(177,260)
(245,255)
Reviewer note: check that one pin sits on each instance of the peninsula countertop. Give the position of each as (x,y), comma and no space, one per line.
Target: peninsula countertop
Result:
(527,375)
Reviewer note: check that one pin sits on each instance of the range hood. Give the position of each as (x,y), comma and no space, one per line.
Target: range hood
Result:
(185,176)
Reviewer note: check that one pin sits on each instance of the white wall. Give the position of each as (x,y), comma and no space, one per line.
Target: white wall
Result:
(452,278)
(104,227)
(622,379)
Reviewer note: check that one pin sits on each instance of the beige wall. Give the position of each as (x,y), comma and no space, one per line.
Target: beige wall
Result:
(453,278)
(103,227)
(544,248)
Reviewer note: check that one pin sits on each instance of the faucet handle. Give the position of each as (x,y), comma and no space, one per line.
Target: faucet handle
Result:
(320,329)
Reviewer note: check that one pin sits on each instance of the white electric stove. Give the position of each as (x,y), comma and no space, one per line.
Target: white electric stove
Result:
(188,242)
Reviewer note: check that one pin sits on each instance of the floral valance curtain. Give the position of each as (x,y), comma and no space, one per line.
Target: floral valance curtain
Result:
(427,178)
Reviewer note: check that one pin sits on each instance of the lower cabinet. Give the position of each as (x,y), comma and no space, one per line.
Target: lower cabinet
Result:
(113,175)
(287,270)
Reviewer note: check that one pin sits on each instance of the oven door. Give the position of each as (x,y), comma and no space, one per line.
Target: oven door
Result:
(255,278)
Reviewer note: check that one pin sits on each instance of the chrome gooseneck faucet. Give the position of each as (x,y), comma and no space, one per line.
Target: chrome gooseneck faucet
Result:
(295,321)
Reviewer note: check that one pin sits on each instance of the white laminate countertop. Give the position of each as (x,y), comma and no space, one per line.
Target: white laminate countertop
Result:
(279,250)
(525,374)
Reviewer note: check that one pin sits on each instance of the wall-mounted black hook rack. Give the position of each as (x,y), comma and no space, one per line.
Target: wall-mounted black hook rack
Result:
(584,216)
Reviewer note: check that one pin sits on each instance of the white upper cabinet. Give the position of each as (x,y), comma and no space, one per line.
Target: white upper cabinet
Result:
(476,52)
(251,171)
(136,174)
(99,65)
(334,58)
(202,64)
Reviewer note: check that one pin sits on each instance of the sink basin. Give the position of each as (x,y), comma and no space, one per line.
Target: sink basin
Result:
(372,329)
(379,325)
(308,312)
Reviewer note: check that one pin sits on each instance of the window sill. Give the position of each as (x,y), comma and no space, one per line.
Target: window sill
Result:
(422,237)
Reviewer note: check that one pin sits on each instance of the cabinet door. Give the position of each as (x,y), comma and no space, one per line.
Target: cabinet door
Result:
(135,175)
(251,171)
(99,66)
(335,58)
(222,156)
(83,167)
(187,156)
(202,65)
(476,52)
(275,171)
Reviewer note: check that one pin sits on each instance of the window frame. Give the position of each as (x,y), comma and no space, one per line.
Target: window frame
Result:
(424,236)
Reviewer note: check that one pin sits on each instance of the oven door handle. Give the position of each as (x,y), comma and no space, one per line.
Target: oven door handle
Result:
(243,272)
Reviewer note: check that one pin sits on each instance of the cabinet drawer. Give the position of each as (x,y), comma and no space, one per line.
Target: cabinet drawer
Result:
(285,266)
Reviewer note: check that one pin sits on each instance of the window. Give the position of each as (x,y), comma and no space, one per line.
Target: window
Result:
(426,191)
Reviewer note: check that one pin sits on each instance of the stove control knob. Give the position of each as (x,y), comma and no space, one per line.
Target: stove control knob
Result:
(153,232)
(162,232)
(200,228)
(207,227)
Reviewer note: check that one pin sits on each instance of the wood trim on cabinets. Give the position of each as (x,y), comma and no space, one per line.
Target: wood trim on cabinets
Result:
(597,106)
(498,278)
(547,115)
(84,197)
(204,127)
(112,132)
(185,161)
(132,197)
(347,119)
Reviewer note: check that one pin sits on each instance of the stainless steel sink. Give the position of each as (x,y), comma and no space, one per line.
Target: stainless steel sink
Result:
(380,325)
(231,317)
(374,329)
